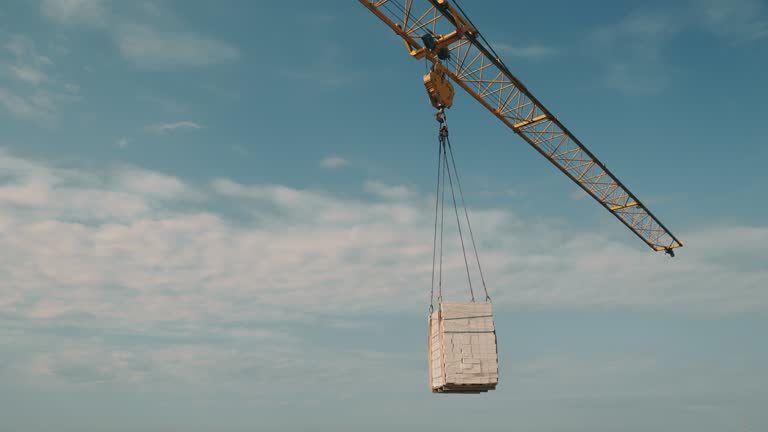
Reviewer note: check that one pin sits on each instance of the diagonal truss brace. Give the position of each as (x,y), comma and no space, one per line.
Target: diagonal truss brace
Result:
(475,67)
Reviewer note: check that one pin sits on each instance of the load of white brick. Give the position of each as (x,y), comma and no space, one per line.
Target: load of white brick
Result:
(462,348)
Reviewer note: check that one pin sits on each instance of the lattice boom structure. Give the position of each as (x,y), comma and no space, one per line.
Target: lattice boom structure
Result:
(473,65)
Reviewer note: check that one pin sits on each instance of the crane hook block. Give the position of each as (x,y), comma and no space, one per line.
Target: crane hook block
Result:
(439,89)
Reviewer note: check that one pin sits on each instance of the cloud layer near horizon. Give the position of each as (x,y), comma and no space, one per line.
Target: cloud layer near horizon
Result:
(134,254)
(171,250)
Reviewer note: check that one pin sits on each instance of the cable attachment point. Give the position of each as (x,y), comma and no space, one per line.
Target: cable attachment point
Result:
(440,117)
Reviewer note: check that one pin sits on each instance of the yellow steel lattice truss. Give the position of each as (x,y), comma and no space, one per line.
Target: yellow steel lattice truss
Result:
(473,66)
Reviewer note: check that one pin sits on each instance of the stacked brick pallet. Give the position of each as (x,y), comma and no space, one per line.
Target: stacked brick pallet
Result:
(462,349)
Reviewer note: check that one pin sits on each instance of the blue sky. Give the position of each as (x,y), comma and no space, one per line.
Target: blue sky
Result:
(218,216)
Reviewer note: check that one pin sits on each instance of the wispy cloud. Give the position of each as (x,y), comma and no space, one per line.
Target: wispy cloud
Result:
(123,253)
(32,93)
(382,239)
(383,190)
(172,127)
(150,184)
(333,162)
(650,24)
(24,50)
(152,48)
(631,51)
(92,12)
(148,45)
(28,62)
(29,74)
(743,19)
(324,66)
(531,52)
(36,106)
(636,78)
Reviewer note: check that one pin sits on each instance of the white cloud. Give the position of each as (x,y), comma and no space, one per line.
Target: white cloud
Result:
(647,24)
(294,247)
(325,68)
(60,195)
(171,127)
(636,78)
(121,253)
(270,195)
(36,106)
(39,98)
(382,190)
(149,45)
(23,48)
(35,192)
(271,361)
(743,19)
(166,105)
(90,12)
(123,250)
(28,64)
(29,74)
(631,51)
(333,162)
(122,142)
(152,48)
(531,52)
(151,184)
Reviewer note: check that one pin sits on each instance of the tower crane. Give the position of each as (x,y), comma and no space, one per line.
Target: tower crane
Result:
(440,32)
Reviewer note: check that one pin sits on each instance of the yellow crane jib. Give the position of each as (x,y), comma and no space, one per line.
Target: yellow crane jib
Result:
(440,32)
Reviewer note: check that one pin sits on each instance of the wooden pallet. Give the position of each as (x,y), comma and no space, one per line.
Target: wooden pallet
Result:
(464,388)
